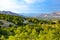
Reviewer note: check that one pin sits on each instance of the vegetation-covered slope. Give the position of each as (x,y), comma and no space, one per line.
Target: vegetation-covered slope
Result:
(28,28)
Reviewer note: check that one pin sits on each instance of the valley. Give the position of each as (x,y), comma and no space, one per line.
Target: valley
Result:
(13,27)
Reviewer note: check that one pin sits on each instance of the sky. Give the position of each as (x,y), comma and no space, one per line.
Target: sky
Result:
(30,6)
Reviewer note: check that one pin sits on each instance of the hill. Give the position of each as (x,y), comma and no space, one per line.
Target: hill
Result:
(54,14)
(20,28)
(10,13)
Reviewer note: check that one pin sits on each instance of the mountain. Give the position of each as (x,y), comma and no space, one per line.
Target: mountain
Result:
(9,12)
(54,14)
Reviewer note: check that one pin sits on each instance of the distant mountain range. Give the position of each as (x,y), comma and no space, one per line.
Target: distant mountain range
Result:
(54,14)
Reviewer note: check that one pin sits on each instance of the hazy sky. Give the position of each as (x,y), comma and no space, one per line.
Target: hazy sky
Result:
(30,6)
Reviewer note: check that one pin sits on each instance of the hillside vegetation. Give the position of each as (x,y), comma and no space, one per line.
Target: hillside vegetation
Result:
(21,28)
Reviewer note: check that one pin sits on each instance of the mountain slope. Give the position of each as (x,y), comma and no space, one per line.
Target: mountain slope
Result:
(9,12)
(54,14)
